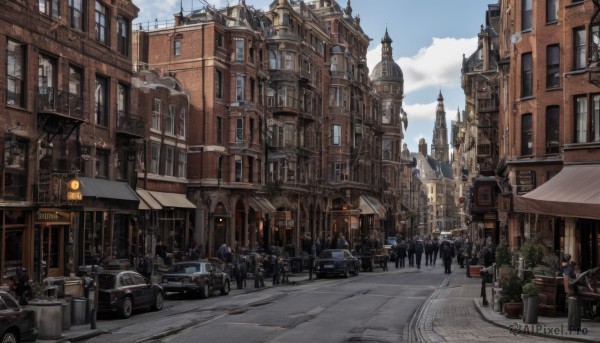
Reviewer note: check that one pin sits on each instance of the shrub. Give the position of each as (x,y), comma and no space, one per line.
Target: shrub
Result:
(532,253)
(531,288)
(512,288)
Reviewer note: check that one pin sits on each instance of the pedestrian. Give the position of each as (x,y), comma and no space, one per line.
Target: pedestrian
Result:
(428,252)
(327,242)
(401,254)
(486,275)
(275,269)
(436,249)
(240,272)
(419,249)
(458,247)
(411,253)
(21,285)
(446,250)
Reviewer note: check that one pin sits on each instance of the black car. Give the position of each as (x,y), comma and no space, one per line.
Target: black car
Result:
(16,324)
(199,277)
(123,291)
(336,262)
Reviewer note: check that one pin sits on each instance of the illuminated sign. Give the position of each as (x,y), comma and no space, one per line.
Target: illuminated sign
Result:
(74,190)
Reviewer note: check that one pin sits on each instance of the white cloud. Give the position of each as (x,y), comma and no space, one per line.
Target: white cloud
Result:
(436,65)
(420,111)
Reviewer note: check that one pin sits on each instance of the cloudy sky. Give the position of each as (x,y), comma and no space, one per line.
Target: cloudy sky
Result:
(429,40)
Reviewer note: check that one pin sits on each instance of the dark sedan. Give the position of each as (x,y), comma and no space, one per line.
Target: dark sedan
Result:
(336,262)
(123,291)
(199,277)
(16,324)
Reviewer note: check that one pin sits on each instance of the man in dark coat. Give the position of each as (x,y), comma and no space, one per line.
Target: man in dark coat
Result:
(419,249)
(401,254)
(436,249)
(428,252)
(447,254)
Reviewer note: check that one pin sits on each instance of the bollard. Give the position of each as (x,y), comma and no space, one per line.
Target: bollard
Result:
(93,319)
(574,314)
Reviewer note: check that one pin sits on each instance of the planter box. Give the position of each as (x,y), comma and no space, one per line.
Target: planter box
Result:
(474,271)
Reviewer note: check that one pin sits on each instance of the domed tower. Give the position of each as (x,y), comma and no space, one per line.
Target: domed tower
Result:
(387,76)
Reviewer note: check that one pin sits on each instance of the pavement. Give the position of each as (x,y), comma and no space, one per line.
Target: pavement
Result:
(453,313)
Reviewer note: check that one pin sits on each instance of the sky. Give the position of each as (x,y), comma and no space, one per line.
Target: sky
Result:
(429,38)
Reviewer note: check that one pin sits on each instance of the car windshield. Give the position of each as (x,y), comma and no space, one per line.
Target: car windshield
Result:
(187,268)
(106,281)
(332,254)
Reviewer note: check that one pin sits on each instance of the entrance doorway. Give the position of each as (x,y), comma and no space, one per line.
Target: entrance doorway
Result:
(49,248)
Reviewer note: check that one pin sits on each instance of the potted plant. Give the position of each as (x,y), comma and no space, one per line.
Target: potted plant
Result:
(532,253)
(530,302)
(510,295)
(503,255)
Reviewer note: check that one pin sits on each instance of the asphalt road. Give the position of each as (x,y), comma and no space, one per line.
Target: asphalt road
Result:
(371,307)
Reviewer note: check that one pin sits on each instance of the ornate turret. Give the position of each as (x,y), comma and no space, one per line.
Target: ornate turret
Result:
(439,145)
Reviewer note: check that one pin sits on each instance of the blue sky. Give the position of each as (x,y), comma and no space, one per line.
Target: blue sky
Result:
(429,40)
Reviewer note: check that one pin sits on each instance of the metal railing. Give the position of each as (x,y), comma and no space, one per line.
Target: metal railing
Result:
(48,99)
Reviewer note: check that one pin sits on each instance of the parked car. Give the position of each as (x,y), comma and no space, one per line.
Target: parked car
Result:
(16,323)
(336,261)
(123,291)
(199,277)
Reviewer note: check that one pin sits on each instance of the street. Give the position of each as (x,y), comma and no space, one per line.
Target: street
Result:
(369,307)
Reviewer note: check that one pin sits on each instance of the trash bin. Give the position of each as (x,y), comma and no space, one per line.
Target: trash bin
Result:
(48,318)
(66,313)
(78,311)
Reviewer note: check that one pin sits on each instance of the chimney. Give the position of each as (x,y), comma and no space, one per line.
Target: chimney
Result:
(422,147)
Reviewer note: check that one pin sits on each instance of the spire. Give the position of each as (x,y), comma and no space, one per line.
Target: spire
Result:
(386,46)
(439,144)
(458,114)
(349,9)
(440,97)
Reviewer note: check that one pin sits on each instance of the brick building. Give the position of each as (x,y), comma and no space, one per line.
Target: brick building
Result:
(547,124)
(285,129)
(65,109)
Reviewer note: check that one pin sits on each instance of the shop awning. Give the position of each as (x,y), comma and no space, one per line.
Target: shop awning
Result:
(573,192)
(105,189)
(370,205)
(148,200)
(175,200)
(262,204)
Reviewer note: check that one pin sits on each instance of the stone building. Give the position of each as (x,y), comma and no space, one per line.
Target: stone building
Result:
(69,135)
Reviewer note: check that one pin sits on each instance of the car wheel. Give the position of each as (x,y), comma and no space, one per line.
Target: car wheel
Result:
(9,337)
(204,291)
(226,288)
(126,307)
(158,302)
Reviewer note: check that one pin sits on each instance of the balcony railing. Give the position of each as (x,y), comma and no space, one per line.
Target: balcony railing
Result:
(131,124)
(49,100)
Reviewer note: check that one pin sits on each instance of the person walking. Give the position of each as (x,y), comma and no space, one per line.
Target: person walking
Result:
(436,249)
(428,252)
(446,252)
(411,253)
(401,254)
(419,249)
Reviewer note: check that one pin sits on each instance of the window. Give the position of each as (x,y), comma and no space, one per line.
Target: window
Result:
(551,11)
(238,168)
(595,122)
(181,163)
(219,130)
(289,135)
(170,120)
(219,84)
(552,66)
(219,39)
(336,134)
(526,75)
(581,119)
(101,24)
(154,157)
(101,94)
(289,60)
(15,71)
(46,82)
(169,160)
(123,35)
(552,129)
(526,135)
(251,130)
(75,14)
(387,149)
(526,15)
(219,167)
(122,104)
(156,114)
(595,43)
(182,123)
(102,163)
(239,49)
(338,171)
(239,130)
(15,167)
(75,90)
(239,87)
(49,8)
(250,169)
(579,59)
(177,46)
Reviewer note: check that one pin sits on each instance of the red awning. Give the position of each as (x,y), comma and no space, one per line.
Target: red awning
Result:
(573,192)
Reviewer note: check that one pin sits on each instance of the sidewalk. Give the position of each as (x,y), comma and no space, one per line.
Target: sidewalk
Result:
(454,313)
(78,333)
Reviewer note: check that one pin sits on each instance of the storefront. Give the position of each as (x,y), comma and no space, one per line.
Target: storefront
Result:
(17,237)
